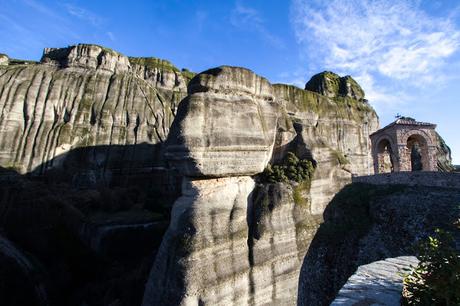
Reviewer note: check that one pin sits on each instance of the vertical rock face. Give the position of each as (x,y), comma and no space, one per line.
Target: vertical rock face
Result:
(226,126)
(204,259)
(280,231)
(245,245)
(85,97)
(334,132)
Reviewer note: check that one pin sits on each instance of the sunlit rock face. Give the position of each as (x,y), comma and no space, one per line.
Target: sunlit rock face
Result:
(225,126)
(86,57)
(82,97)
(334,132)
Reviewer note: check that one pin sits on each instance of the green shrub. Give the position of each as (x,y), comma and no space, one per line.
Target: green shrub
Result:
(292,169)
(436,279)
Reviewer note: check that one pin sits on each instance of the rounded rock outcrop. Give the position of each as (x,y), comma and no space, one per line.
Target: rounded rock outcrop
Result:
(225,126)
(231,80)
(332,85)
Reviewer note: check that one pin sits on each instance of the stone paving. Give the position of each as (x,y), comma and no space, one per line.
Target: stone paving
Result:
(377,283)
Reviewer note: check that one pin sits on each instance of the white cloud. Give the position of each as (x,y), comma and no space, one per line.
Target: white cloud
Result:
(84,14)
(380,39)
(247,18)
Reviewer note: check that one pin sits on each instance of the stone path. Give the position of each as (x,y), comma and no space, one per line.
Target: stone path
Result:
(377,283)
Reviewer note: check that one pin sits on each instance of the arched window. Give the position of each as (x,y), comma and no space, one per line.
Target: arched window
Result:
(418,152)
(385,157)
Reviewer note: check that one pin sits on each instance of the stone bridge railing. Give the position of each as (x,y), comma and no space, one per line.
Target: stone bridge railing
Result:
(419,178)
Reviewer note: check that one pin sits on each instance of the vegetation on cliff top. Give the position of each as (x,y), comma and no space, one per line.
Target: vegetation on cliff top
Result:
(330,84)
(300,100)
(15,61)
(157,63)
(153,62)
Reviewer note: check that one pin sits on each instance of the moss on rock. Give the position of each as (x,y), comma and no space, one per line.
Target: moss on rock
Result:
(332,85)
(153,62)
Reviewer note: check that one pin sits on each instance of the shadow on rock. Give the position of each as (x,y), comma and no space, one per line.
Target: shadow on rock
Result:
(85,226)
(365,223)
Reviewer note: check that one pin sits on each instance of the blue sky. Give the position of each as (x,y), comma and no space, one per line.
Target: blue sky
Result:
(405,54)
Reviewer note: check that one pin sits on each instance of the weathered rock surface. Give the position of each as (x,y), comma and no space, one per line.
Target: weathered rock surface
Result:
(86,57)
(231,244)
(377,283)
(334,132)
(225,126)
(204,256)
(85,96)
(280,232)
(233,123)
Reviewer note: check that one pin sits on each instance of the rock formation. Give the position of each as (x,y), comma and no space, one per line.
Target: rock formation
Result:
(225,126)
(230,243)
(86,96)
(331,85)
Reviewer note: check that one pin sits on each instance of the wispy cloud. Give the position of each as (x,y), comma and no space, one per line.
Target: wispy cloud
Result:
(111,36)
(43,9)
(248,18)
(84,14)
(390,39)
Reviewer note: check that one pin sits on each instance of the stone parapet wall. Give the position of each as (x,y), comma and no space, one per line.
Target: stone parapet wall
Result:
(422,178)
